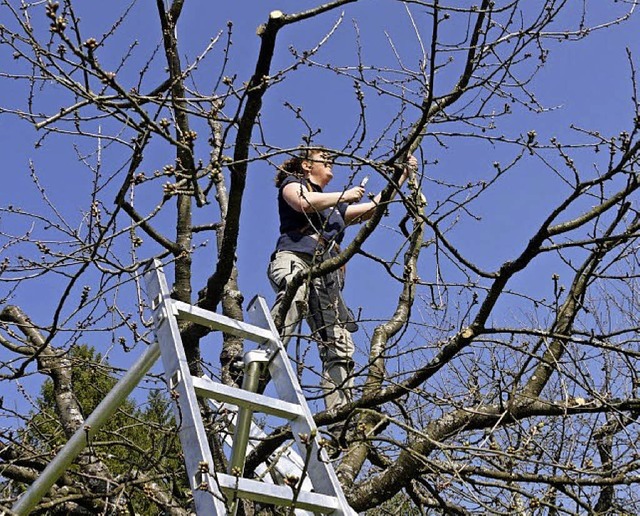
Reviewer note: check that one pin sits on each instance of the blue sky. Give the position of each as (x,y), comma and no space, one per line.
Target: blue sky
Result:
(586,83)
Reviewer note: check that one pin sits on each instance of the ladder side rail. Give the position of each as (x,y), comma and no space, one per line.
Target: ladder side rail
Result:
(305,433)
(320,471)
(199,464)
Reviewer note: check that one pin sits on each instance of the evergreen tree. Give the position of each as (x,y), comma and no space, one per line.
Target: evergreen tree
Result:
(139,444)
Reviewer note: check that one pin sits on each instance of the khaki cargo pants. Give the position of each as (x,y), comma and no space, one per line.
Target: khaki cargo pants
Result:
(320,303)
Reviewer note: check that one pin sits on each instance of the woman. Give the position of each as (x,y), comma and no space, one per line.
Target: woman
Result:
(312,224)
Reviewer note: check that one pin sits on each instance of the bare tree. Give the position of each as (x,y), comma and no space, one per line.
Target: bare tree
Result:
(499,381)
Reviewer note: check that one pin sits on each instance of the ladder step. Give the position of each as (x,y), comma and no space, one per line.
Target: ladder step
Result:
(221,322)
(275,494)
(207,388)
(285,460)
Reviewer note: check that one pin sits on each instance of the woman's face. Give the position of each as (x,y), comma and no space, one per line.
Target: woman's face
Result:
(319,168)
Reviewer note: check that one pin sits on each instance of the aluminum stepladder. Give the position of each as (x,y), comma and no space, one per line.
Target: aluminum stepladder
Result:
(208,486)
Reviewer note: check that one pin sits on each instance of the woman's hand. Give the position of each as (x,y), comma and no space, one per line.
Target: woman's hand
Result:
(353,194)
(410,168)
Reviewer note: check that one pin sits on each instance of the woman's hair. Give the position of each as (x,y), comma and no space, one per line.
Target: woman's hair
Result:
(293,166)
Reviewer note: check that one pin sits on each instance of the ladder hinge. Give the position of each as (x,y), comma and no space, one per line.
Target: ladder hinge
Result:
(155,302)
(159,314)
(175,380)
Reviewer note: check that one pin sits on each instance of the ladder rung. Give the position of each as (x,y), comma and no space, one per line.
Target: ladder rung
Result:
(221,322)
(270,493)
(207,388)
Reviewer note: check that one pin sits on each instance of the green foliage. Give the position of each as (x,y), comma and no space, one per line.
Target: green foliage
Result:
(92,379)
(134,441)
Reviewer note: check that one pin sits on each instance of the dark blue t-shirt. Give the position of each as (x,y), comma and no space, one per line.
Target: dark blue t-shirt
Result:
(297,228)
